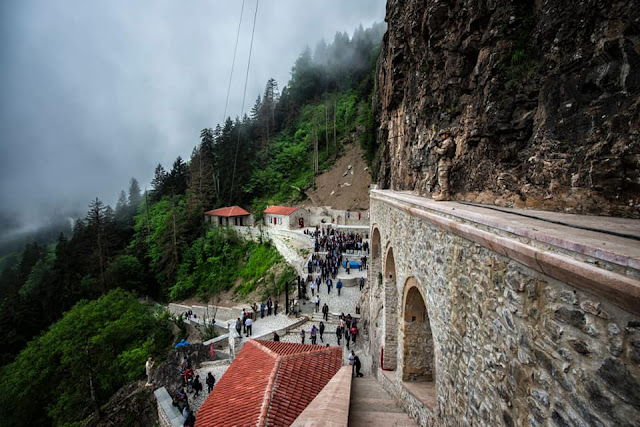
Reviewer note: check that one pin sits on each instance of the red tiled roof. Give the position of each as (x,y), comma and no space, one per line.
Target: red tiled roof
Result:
(280,210)
(269,383)
(229,211)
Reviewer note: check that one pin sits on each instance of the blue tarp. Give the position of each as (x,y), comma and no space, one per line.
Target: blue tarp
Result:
(352,264)
(182,343)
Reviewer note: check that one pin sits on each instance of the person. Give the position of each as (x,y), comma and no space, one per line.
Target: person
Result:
(238,326)
(149,367)
(339,286)
(325,312)
(361,283)
(181,368)
(446,151)
(275,308)
(352,357)
(357,365)
(269,306)
(185,414)
(248,323)
(276,337)
(182,396)
(302,333)
(338,333)
(354,332)
(313,288)
(346,337)
(211,381)
(262,310)
(197,386)
(329,284)
(314,333)
(190,421)
(321,330)
(317,301)
(188,378)
(347,266)
(243,317)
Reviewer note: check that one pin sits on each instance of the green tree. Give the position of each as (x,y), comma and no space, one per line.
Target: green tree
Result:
(68,373)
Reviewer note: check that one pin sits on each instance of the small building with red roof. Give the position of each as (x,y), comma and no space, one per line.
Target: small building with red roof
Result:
(286,217)
(232,215)
(269,384)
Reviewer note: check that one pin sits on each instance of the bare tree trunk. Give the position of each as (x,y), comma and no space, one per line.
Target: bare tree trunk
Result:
(335,139)
(175,232)
(146,208)
(92,391)
(326,128)
(101,256)
(315,146)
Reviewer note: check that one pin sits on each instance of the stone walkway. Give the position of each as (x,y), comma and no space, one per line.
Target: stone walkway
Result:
(263,328)
(217,368)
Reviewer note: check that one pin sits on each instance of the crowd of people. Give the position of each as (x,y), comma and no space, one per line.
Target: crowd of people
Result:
(190,384)
(244,323)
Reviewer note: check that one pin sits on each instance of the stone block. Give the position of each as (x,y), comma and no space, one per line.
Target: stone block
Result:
(571,317)
(620,381)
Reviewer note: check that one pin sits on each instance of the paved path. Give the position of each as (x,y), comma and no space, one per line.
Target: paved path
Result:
(268,324)
(217,368)
(371,406)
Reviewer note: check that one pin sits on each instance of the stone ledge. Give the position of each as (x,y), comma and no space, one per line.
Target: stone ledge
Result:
(331,406)
(615,249)
(463,220)
(168,414)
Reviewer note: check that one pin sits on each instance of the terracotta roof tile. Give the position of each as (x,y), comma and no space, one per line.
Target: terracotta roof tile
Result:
(228,211)
(275,379)
(280,210)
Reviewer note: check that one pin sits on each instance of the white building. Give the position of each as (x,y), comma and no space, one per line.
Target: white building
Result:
(233,215)
(284,217)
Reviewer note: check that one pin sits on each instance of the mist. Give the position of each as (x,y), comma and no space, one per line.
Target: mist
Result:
(95,93)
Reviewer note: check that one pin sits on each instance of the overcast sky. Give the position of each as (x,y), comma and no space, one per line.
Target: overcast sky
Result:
(95,92)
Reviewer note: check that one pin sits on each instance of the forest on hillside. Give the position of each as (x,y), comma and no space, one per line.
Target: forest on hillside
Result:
(71,319)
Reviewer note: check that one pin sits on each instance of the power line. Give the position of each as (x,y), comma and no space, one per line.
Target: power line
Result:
(235,50)
(244,95)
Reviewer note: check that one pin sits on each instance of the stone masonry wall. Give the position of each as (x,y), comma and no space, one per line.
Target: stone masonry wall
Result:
(512,346)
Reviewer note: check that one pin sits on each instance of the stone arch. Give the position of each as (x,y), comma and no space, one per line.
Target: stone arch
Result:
(375,265)
(390,357)
(418,357)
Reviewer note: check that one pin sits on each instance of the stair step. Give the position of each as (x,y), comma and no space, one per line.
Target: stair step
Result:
(388,419)
(371,405)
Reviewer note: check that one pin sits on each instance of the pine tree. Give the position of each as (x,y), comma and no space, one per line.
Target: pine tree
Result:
(177,178)
(122,209)
(159,183)
(134,194)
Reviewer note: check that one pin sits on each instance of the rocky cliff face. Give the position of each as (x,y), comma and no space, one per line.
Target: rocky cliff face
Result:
(542,97)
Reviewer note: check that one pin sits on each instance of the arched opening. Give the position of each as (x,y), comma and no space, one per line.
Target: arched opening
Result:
(375,265)
(418,356)
(390,356)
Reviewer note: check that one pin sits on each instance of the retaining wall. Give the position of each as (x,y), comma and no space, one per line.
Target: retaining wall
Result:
(532,323)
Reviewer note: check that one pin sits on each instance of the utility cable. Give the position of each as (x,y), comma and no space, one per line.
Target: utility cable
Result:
(235,50)
(244,95)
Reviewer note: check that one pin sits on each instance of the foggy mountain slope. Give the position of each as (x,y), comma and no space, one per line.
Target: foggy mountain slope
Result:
(156,244)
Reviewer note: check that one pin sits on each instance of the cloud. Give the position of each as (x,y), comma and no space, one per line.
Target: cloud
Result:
(94,93)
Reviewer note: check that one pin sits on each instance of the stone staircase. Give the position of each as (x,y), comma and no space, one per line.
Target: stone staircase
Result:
(371,406)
